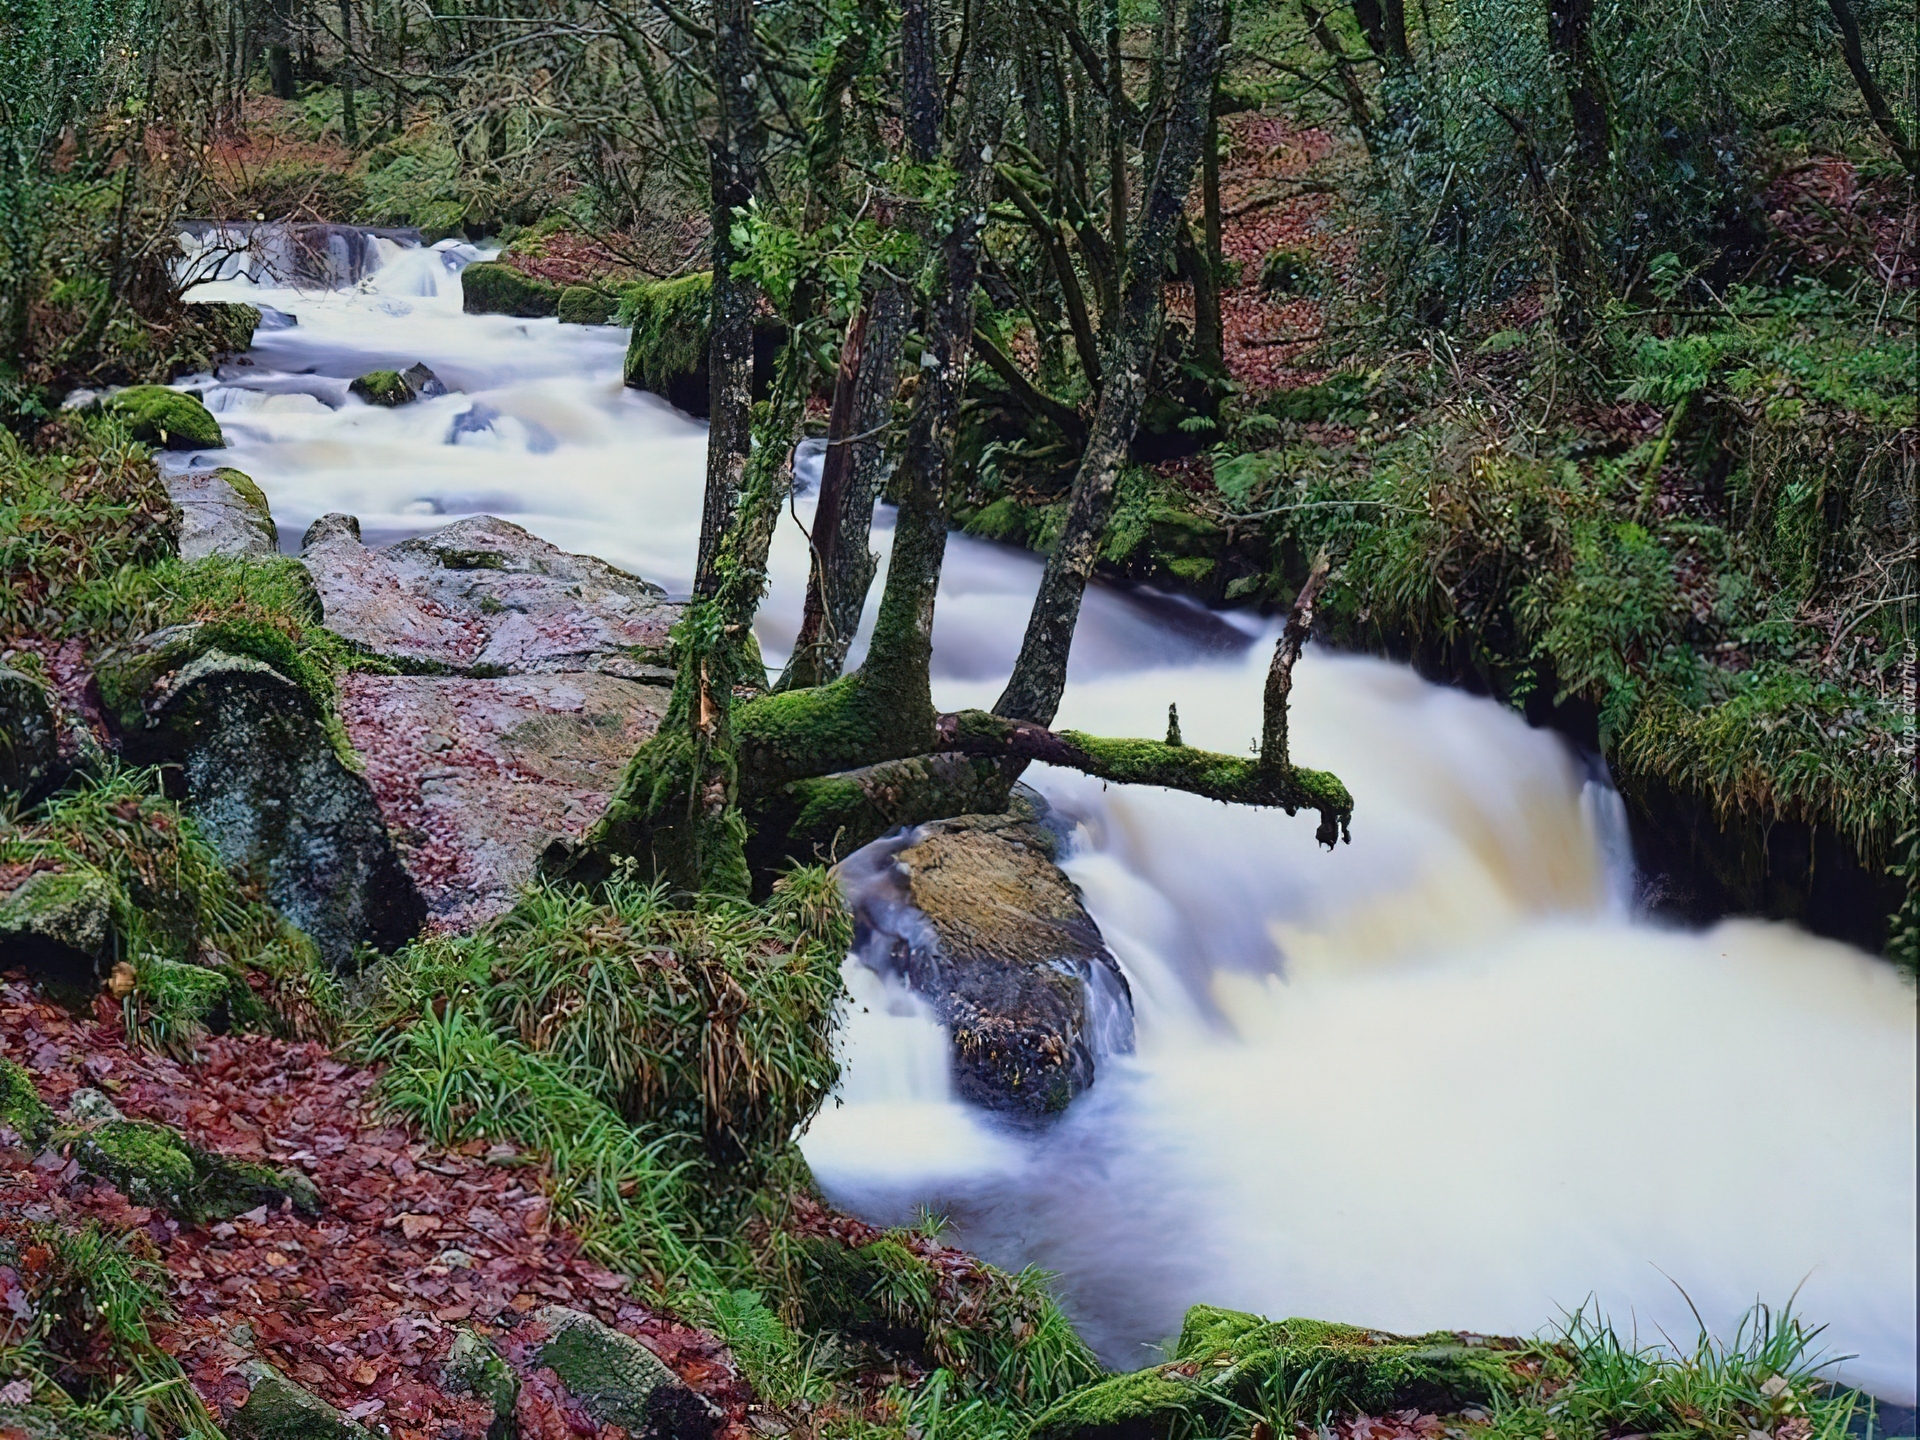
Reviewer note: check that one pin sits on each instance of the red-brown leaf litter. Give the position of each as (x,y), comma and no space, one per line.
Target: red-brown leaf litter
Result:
(361,1304)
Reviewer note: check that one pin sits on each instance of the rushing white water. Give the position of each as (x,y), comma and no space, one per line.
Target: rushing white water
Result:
(1441,1077)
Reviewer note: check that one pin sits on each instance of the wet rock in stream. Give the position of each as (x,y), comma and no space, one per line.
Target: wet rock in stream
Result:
(975,916)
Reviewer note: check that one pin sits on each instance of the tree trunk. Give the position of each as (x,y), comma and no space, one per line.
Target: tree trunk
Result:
(1040,674)
(849,487)
(1569,36)
(734,156)
(349,118)
(1877,107)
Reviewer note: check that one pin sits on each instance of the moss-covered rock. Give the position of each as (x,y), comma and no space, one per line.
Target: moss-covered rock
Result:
(382,387)
(617,1380)
(265,784)
(475,1368)
(1289,1372)
(667,351)
(980,921)
(222,512)
(21,1108)
(29,734)
(586,305)
(43,1422)
(155,1165)
(491,287)
(278,1409)
(167,418)
(58,924)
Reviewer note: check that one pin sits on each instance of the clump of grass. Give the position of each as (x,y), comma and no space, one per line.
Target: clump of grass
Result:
(712,1022)
(197,939)
(87,1349)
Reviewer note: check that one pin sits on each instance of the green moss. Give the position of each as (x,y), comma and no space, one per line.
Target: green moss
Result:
(474,1367)
(386,388)
(60,922)
(21,1108)
(1293,1372)
(492,287)
(170,419)
(154,1165)
(242,484)
(611,1375)
(586,305)
(278,1409)
(670,320)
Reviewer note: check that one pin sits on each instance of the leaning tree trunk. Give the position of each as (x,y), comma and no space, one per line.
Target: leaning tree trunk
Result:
(1040,674)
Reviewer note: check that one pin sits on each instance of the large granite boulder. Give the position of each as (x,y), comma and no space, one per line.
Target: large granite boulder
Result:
(477,777)
(263,780)
(973,913)
(222,512)
(483,597)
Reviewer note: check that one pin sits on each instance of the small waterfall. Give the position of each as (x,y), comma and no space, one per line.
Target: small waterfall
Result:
(290,254)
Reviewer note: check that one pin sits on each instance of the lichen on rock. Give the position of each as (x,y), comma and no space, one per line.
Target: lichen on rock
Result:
(59,924)
(474,1367)
(222,512)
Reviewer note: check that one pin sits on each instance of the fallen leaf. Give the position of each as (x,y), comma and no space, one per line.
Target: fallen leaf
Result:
(414,1226)
(365,1373)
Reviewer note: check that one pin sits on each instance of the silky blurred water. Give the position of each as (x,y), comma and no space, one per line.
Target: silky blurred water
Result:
(1442,1077)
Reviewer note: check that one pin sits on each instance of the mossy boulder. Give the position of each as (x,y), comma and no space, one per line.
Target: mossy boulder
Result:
(58,924)
(278,1409)
(667,351)
(29,734)
(21,1109)
(474,1367)
(618,1381)
(1231,1364)
(382,387)
(586,305)
(167,418)
(978,919)
(222,512)
(43,1422)
(266,785)
(154,1165)
(491,287)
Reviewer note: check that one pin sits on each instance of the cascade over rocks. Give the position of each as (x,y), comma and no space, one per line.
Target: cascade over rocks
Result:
(263,780)
(973,913)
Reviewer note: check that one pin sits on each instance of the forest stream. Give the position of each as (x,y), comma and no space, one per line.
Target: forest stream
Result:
(1445,1076)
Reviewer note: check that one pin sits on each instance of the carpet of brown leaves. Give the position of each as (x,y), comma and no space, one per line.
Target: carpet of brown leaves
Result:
(361,1304)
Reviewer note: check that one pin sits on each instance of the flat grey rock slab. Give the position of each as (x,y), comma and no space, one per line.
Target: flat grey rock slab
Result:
(484,597)
(475,777)
(217,519)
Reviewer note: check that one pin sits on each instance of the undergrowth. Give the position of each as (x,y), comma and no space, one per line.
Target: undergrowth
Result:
(199,943)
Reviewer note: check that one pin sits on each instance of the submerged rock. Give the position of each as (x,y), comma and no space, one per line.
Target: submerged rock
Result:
(491,287)
(58,924)
(29,734)
(484,597)
(167,418)
(266,786)
(975,916)
(222,512)
(475,778)
(618,1381)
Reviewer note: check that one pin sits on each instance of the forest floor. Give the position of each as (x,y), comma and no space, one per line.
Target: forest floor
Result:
(360,1304)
